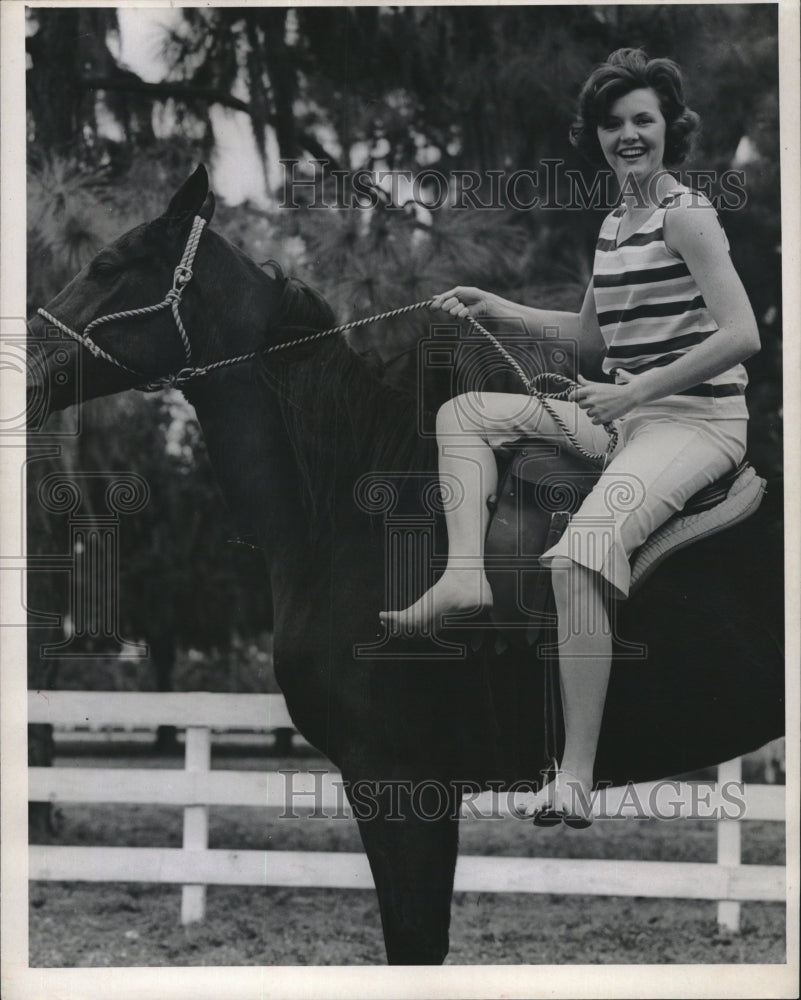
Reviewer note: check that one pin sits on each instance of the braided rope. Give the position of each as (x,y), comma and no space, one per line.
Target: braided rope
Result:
(529,383)
(543,397)
(181,278)
(86,342)
(285,345)
(188,373)
(110,317)
(352,325)
(183,275)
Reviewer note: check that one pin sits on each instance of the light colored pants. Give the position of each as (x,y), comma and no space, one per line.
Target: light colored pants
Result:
(664,455)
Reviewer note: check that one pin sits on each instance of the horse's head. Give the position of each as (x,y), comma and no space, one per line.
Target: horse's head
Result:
(217,305)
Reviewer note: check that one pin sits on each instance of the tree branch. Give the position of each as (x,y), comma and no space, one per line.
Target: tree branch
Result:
(182,91)
(317,150)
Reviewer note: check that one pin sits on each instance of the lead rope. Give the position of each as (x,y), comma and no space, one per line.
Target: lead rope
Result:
(550,711)
(543,397)
(529,383)
(183,275)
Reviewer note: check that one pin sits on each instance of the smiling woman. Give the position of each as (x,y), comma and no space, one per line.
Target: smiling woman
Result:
(676,324)
(632,136)
(649,90)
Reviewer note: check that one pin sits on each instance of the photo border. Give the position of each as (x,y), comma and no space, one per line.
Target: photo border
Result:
(242,983)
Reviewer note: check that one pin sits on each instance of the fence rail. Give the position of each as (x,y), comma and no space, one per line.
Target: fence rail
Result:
(150,708)
(347,870)
(197,787)
(304,791)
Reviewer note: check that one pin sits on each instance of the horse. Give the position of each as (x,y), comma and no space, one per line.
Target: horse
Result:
(311,450)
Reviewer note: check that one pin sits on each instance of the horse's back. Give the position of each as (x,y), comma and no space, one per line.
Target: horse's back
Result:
(709,684)
(698,673)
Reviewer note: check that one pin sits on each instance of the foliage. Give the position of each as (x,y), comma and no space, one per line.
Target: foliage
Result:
(176,557)
(65,223)
(457,88)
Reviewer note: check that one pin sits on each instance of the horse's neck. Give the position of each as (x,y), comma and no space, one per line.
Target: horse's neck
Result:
(255,466)
(252,461)
(345,424)
(288,472)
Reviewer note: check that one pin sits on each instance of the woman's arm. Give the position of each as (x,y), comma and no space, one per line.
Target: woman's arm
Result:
(581,327)
(591,342)
(695,233)
(463,301)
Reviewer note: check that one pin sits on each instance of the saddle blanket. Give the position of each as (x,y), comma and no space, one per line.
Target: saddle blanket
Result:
(743,499)
(533,509)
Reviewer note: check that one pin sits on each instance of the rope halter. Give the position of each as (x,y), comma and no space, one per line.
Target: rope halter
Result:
(181,277)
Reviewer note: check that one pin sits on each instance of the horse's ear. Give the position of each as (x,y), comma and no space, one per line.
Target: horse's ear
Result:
(207,208)
(190,198)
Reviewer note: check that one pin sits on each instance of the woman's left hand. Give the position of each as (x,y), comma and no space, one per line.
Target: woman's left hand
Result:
(604,401)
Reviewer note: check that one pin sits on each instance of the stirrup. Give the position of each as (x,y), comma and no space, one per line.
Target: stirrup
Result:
(548,815)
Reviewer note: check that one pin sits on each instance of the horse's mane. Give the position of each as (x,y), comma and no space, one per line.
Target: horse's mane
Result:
(300,306)
(342,420)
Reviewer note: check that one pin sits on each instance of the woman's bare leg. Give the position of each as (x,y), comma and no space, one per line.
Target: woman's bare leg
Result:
(468,474)
(468,428)
(585,659)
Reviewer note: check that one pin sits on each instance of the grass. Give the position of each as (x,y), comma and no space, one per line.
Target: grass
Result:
(138,925)
(86,925)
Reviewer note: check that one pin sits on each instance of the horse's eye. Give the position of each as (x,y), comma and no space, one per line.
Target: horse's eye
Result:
(102,268)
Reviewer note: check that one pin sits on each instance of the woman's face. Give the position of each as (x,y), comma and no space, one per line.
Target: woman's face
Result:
(632,136)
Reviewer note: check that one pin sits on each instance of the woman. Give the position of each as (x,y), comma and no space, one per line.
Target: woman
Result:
(669,312)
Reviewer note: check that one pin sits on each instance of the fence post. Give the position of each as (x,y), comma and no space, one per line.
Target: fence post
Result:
(196,821)
(729,846)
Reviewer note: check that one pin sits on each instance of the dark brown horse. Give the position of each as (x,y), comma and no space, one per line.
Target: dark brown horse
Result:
(300,441)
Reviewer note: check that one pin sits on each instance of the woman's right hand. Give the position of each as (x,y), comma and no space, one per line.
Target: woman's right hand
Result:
(463,301)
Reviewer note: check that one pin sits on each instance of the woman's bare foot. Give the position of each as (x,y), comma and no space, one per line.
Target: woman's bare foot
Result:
(568,797)
(457,590)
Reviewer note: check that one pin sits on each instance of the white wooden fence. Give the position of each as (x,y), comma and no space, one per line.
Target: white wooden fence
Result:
(197,787)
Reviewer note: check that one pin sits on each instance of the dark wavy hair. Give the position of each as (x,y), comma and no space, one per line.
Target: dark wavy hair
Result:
(626,70)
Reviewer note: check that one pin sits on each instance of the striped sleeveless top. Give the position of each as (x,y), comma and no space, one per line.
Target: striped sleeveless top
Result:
(651,311)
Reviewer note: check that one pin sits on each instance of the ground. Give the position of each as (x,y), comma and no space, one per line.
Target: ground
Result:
(74,924)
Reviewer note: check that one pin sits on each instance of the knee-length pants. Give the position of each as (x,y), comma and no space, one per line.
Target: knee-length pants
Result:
(666,452)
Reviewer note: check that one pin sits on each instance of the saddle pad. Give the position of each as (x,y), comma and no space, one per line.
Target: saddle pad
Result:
(543,485)
(744,497)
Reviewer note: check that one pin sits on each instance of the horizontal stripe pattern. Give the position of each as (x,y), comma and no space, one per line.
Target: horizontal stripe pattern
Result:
(647,310)
(650,309)
(651,274)
(717,390)
(620,350)
(636,240)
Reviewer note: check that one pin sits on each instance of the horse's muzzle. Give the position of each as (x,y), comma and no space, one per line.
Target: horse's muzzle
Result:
(50,376)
